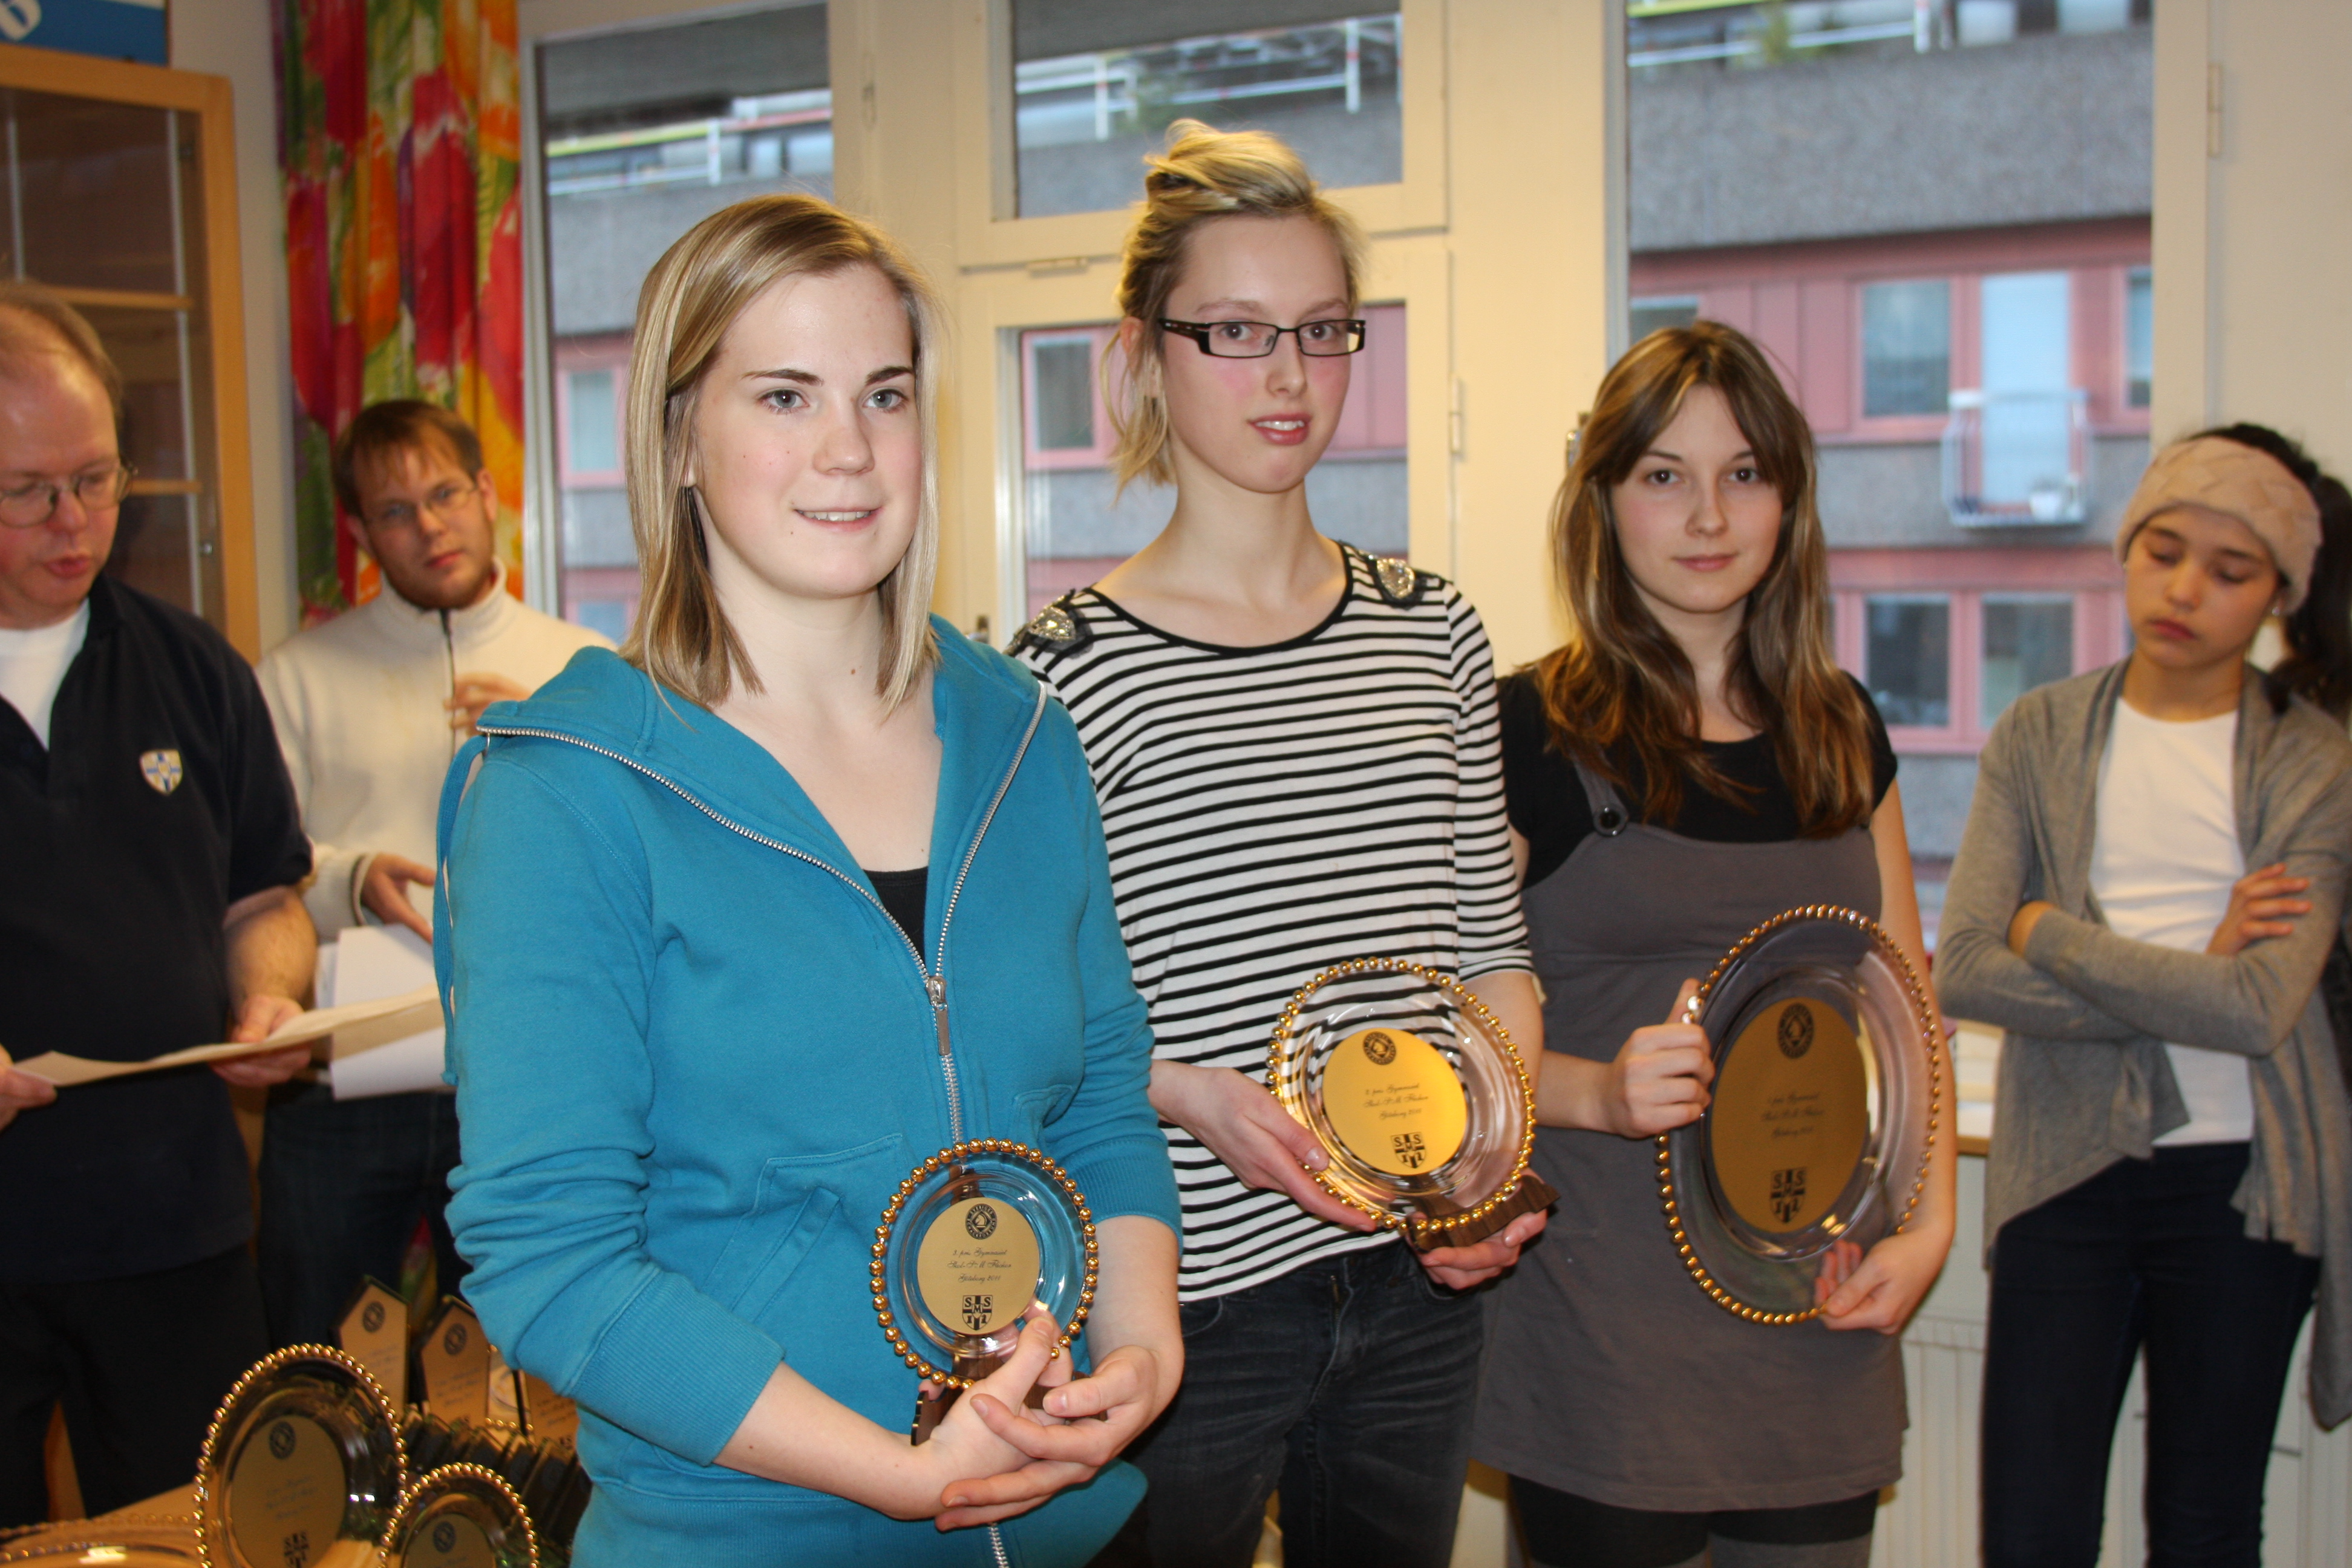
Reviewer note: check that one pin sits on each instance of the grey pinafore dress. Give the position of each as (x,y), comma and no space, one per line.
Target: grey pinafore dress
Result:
(1609,1373)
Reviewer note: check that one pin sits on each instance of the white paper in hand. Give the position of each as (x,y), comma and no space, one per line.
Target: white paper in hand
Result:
(374,961)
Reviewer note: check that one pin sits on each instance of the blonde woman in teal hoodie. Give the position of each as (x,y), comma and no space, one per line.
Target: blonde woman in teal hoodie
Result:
(738,926)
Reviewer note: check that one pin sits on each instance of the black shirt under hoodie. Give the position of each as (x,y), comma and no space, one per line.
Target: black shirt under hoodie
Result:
(161,800)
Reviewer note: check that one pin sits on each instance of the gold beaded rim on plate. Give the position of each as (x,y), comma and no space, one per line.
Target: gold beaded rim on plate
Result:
(1924,1013)
(1288,1087)
(957,1155)
(275,1361)
(414,1497)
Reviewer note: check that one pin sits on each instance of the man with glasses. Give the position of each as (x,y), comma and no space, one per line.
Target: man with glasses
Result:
(370,709)
(149,854)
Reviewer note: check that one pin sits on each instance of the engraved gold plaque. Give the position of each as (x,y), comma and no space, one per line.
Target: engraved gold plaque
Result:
(375,1334)
(286,1490)
(1395,1101)
(1416,1093)
(977,1266)
(1815,1143)
(1791,1116)
(453,1359)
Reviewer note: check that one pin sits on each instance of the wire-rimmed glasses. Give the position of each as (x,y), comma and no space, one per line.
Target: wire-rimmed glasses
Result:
(98,490)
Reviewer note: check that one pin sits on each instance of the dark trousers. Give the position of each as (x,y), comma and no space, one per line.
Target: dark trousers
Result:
(1562,1530)
(2146,1255)
(140,1363)
(342,1186)
(1348,1382)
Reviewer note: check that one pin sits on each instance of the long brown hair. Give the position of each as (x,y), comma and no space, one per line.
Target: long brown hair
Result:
(690,299)
(1205,176)
(1621,683)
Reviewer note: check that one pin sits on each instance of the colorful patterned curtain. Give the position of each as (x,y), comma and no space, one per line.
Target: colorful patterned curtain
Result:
(401,125)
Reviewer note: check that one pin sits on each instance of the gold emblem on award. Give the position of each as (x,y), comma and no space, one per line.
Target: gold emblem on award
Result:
(1815,1144)
(301,1468)
(1416,1092)
(973,1236)
(461,1516)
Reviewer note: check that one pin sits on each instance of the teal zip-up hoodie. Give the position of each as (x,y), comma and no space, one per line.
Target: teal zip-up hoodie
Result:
(695,1059)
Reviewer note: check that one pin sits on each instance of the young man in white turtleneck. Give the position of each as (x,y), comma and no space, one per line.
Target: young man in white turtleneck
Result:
(370,708)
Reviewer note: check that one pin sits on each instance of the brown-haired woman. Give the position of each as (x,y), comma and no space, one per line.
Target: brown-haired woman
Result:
(1689,764)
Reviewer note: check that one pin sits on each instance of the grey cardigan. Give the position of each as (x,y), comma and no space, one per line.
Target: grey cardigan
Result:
(2085,1081)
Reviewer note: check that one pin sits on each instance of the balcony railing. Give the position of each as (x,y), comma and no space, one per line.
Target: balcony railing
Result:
(2014,459)
(1094,97)
(764,139)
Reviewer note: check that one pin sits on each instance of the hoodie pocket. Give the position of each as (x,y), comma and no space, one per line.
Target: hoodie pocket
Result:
(798,1196)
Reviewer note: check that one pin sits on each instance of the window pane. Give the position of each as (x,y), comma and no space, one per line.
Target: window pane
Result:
(1095,87)
(645,132)
(1649,315)
(1064,390)
(2029,641)
(1906,347)
(2140,337)
(592,434)
(2028,343)
(1907,659)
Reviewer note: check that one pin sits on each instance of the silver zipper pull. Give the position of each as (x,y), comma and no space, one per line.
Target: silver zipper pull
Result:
(936,985)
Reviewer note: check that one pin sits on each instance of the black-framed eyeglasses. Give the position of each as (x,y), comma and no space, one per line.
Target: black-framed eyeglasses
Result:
(1255,339)
(98,490)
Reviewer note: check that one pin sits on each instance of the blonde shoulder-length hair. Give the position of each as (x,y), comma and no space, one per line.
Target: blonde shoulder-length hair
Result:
(691,298)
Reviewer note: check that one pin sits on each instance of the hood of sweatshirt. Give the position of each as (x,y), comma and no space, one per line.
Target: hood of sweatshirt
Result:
(984,709)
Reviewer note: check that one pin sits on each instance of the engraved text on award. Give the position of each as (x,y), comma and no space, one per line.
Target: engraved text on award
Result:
(977,1266)
(1395,1101)
(1792,1115)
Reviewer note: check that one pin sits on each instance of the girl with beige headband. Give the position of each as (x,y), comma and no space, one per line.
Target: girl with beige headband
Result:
(2149,885)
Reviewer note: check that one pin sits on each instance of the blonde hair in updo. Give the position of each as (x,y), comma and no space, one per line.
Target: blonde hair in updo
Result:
(1205,175)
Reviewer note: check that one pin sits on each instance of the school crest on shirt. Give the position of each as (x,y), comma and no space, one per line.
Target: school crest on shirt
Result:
(161,770)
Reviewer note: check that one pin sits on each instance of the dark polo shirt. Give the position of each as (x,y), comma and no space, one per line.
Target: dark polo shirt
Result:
(161,800)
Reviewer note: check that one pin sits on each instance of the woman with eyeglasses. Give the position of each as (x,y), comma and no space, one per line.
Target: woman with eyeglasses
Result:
(1295,745)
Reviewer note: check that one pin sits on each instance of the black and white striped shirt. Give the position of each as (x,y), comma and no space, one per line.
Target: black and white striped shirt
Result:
(1273,811)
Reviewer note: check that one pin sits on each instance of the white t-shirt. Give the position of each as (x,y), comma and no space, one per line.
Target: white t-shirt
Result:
(33,666)
(2163,860)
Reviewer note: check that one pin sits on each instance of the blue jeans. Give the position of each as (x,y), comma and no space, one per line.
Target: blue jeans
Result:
(1348,1382)
(2144,1255)
(342,1186)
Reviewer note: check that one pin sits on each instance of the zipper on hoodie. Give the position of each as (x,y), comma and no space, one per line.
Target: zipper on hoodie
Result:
(933,975)
(449,658)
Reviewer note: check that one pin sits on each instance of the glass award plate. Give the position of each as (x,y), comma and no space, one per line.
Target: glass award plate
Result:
(302,1464)
(1416,1092)
(461,1516)
(1815,1144)
(972,1236)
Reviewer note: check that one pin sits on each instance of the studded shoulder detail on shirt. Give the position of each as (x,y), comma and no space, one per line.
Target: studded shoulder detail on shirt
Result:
(1400,585)
(1059,627)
